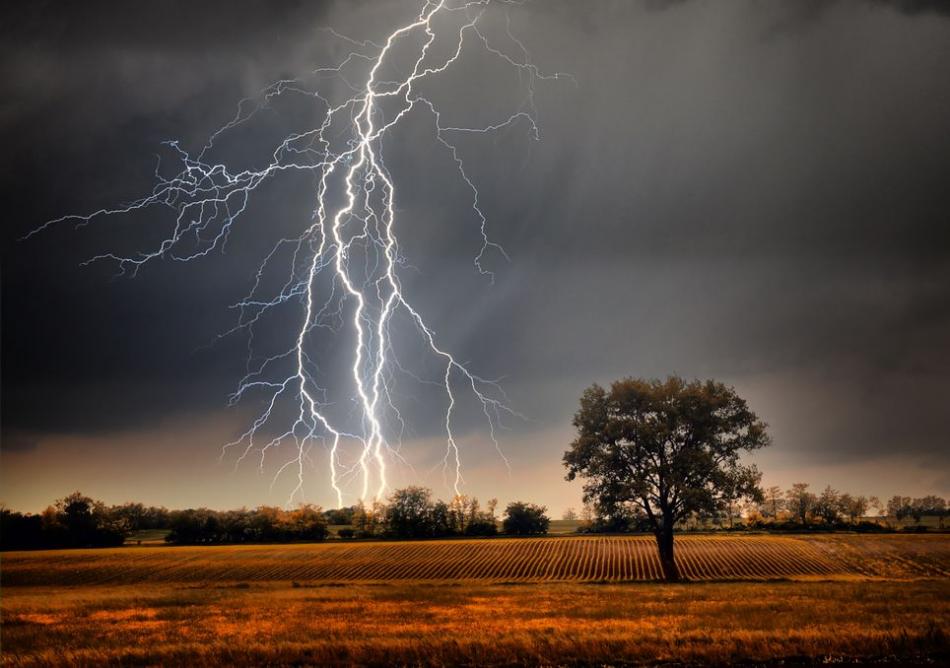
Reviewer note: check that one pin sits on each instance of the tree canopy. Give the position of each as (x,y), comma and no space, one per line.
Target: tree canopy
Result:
(525,519)
(669,448)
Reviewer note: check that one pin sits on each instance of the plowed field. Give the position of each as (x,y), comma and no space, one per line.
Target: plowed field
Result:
(557,559)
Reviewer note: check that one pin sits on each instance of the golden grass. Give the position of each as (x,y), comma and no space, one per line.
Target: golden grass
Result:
(559,559)
(574,600)
(474,624)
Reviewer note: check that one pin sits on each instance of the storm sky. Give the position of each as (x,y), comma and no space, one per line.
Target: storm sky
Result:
(757,192)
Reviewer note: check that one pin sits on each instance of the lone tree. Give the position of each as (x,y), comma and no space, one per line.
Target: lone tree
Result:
(670,447)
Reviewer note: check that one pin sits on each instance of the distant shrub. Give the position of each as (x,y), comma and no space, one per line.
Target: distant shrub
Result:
(345,533)
(339,515)
(409,513)
(482,526)
(21,532)
(525,519)
(139,517)
(614,524)
(615,518)
(870,527)
(73,521)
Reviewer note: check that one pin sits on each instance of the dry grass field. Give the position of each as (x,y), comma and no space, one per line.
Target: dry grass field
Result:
(549,601)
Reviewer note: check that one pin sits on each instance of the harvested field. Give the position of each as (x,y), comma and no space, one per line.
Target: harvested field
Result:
(539,601)
(555,559)
(477,624)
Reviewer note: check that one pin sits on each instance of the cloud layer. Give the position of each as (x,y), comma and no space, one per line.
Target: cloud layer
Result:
(744,191)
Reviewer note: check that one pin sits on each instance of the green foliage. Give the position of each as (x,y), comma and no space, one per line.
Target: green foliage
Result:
(801,502)
(339,515)
(75,520)
(618,518)
(525,519)
(411,513)
(139,517)
(671,447)
(265,524)
(368,521)
(828,505)
(481,526)
(901,507)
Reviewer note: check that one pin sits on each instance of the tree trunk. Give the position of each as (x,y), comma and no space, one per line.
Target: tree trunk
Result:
(664,542)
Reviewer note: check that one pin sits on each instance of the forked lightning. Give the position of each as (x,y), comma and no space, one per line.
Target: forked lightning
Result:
(352,236)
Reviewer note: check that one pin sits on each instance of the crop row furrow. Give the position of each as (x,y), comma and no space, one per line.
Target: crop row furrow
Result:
(579,559)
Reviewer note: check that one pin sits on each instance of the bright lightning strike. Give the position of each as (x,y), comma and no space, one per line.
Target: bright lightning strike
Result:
(344,265)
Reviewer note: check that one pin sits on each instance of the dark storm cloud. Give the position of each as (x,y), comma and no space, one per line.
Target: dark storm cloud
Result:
(913,7)
(175,25)
(715,198)
(19,442)
(92,88)
(813,8)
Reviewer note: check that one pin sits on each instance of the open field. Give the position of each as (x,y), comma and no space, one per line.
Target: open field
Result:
(474,624)
(547,601)
(564,559)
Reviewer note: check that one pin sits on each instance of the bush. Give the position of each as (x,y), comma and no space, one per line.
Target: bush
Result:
(914,529)
(339,515)
(870,527)
(345,533)
(192,526)
(482,526)
(616,524)
(615,518)
(21,532)
(74,521)
(409,513)
(525,519)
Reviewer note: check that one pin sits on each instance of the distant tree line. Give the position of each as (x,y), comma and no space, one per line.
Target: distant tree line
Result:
(793,509)
(80,521)
(901,507)
(411,513)
(797,507)
(265,524)
(73,521)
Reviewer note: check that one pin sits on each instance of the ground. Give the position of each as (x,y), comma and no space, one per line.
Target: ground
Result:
(881,597)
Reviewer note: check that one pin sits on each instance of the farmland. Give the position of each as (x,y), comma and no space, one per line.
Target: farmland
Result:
(557,559)
(502,601)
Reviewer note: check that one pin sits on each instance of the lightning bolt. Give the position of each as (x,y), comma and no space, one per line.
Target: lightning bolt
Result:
(344,267)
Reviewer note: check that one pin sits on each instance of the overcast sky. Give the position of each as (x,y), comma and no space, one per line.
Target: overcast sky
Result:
(756,192)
